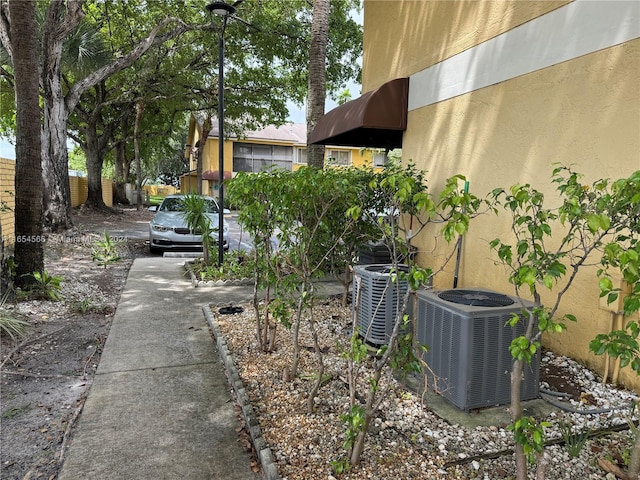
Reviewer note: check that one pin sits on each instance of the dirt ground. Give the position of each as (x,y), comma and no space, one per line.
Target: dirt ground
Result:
(47,374)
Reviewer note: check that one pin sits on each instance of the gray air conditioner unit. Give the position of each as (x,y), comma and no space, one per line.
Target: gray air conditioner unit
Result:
(376,300)
(469,336)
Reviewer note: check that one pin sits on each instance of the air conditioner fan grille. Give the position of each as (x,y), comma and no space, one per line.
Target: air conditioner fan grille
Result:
(477,298)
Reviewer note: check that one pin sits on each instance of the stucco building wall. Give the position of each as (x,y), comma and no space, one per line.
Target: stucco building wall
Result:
(403,37)
(582,110)
(79,189)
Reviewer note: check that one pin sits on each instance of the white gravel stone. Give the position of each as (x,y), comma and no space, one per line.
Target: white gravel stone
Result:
(408,441)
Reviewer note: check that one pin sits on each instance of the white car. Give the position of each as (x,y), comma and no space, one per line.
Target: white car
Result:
(168,229)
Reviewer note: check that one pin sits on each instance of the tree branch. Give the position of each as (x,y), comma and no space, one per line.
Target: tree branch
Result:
(5,28)
(123,62)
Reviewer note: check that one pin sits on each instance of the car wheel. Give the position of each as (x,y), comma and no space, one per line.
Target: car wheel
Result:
(155,250)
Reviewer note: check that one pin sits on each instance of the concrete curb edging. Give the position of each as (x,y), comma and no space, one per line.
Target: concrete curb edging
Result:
(248,414)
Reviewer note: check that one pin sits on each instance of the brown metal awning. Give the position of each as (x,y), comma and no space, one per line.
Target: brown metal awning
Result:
(376,119)
(213,175)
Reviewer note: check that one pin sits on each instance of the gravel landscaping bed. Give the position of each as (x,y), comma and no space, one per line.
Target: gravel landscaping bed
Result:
(407,440)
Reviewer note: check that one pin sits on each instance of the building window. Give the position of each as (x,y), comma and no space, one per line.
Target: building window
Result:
(301,155)
(380,159)
(253,157)
(338,157)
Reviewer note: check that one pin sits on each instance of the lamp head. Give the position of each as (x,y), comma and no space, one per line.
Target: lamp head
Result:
(221,8)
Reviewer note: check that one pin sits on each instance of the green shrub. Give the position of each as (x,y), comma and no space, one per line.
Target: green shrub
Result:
(106,251)
(47,286)
(10,324)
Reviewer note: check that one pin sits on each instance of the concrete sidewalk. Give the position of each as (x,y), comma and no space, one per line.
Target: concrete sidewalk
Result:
(160,406)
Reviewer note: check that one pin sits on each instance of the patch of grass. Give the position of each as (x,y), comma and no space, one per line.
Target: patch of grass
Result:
(84,306)
(15,411)
(574,440)
(155,200)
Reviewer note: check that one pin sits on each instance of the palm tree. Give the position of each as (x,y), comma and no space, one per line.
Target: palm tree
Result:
(29,247)
(317,77)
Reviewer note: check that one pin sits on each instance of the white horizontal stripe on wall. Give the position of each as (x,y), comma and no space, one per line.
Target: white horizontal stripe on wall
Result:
(576,29)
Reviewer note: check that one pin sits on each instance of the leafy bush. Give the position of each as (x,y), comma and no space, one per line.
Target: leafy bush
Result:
(106,251)
(47,286)
(237,265)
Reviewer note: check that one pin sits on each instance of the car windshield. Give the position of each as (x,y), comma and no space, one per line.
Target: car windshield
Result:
(174,204)
(212,207)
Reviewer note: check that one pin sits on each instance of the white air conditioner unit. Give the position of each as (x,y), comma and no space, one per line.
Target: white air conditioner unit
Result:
(469,336)
(376,300)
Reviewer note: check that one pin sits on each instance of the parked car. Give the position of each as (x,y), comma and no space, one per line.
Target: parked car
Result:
(168,229)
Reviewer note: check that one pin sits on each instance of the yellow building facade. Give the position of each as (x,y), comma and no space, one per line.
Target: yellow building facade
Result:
(499,92)
(284,147)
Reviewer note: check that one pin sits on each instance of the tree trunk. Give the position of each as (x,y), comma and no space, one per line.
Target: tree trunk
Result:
(295,336)
(206,128)
(136,147)
(4,280)
(55,166)
(119,192)
(317,93)
(122,163)
(541,465)
(29,246)
(61,18)
(516,413)
(94,170)
(634,461)
(315,388)
(369,412)
(97,140)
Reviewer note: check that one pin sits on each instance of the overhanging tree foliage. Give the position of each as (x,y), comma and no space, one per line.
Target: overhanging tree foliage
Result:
(59,99)
(175,77)
(267,52)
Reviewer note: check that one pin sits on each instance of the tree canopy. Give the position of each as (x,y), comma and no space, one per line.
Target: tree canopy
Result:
(164,55)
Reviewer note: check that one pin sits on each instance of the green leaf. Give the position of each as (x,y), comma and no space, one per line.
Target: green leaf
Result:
(605,284)
(537,436)
(527,276)
(597,222)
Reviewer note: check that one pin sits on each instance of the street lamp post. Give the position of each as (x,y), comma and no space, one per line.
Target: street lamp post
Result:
(225,11)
